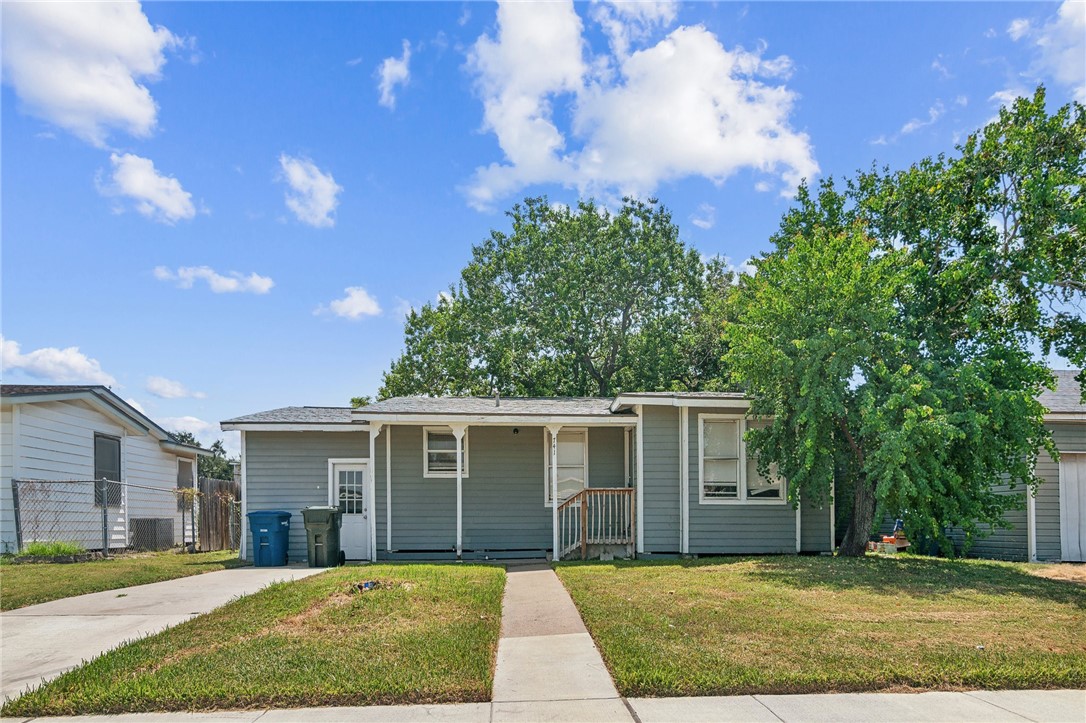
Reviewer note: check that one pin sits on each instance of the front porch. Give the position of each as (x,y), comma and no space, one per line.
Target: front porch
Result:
(485,490)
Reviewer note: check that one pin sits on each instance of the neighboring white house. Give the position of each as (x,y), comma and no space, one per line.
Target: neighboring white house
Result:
(87,433)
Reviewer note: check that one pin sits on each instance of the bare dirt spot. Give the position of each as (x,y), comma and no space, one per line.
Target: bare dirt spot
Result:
(1065,571)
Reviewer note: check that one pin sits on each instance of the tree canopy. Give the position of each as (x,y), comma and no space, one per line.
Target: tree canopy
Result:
(217,466)
(891,333)
(570,302)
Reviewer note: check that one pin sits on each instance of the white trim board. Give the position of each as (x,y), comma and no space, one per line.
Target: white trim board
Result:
(741,485)
(493,420)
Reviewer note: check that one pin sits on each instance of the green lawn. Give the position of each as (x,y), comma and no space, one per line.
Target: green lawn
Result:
(814,624)
(426,633)
(22,585)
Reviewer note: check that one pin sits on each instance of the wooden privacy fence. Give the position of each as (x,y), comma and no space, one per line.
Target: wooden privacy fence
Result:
(218,502)
(596,516)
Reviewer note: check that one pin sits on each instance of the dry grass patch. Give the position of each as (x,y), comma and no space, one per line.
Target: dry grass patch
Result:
(1067,571)
(802,624)
(424,634)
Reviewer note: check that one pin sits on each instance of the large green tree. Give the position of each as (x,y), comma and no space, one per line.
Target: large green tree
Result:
(570,302)
(216,466)
(891,333)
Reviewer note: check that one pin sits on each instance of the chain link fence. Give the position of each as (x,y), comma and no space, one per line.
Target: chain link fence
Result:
(110,516)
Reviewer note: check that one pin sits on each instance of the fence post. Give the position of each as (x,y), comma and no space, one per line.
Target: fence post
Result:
(18,516)
(105,517)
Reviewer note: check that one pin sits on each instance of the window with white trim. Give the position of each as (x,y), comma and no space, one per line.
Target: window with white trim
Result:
(727,474)
(720,442)
(572,463)
(439,452)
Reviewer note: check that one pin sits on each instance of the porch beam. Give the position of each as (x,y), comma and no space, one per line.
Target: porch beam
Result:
(554,429)
(458,432)
(371,500)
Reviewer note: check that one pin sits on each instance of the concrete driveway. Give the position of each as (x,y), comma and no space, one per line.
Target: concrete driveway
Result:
(41,641)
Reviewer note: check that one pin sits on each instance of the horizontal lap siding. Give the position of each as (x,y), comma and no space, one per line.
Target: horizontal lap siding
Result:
(1001,544)
(504,507)
(7,508)
(289,471)
(815,527)
(606,466)
(661,478)
(56,440)
(423,510)
(1070,437)
(739,528)
(148,465)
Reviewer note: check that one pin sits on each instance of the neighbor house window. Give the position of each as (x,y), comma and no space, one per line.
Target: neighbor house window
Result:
(107,466)
(572,463)
(728,475)
(439,450)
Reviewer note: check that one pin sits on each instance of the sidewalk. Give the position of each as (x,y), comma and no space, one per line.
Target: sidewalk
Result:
(40,642)
(548,667)
(1043,706)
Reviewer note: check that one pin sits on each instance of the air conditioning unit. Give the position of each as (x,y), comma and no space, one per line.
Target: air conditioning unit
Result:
(152,533)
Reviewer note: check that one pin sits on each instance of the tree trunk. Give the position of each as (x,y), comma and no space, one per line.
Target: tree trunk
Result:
(854,543)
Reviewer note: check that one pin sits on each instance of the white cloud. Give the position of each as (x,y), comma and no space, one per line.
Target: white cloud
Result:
(402,307)
(934,113)
(169,389)
(686,106)
(313,195)
(356,304)
(206,433)
(235,282)
(1059,46)
(82,66)
(762,187)
(393,72)
(962,100)
(1018,28)
(155,196)
(942,70)
(705,217)
(62,366)
(136,405)
(628,22)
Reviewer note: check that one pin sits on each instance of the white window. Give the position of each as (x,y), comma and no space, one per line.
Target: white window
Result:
(727,475)
(439,452)
(572,463)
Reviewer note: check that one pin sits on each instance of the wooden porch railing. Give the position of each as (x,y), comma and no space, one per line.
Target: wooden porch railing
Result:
(596,516)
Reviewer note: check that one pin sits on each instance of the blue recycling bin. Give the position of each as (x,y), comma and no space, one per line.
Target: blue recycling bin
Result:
(271,537)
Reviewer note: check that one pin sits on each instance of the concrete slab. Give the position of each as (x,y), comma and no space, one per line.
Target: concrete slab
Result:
(453,713)
(609,710)
(865,707)
(536,603)
(1050,706)
(723,709)
(42,641)
(551,667)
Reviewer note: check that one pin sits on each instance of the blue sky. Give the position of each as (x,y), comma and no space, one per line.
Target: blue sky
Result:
(223,208)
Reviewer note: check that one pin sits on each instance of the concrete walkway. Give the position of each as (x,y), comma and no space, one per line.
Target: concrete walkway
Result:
(548,667)
(40,642)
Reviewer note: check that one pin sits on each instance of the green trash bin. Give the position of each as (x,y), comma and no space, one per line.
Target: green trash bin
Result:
(322,530)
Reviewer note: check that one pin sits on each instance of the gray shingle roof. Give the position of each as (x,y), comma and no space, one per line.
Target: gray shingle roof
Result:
(1068,395)
(16,390)
(296,415)
(517,406)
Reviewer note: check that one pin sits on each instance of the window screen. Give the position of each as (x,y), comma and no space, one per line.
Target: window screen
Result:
(107,466)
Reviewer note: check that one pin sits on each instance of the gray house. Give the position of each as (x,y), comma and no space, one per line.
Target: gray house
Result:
(644,473)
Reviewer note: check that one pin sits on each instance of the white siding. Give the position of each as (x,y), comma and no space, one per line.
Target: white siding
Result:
(7,514)
(56,442)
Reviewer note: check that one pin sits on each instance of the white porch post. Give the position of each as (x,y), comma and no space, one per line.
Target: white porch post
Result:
(458,432)
(371,501)
(1031,525)
(554,429)
(639,517)
(388,490)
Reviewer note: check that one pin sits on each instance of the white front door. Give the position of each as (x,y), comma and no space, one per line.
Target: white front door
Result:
(351,493)
(1073,507)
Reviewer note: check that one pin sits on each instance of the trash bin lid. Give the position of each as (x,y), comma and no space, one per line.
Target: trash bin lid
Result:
(279,514)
